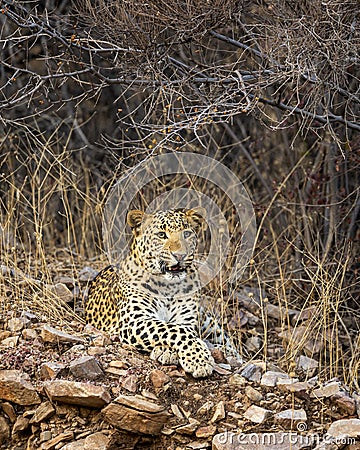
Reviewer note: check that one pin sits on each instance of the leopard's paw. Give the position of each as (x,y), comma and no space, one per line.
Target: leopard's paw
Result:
(164,355)
(195,358)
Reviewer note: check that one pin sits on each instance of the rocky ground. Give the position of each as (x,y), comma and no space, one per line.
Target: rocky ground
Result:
(72,387)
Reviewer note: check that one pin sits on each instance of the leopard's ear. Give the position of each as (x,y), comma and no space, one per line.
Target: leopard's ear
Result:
(135,218)
(196,218)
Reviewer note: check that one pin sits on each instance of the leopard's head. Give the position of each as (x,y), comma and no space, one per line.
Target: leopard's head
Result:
(165,242)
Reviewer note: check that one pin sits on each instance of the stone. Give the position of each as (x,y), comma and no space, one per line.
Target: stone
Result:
(252,372)
(252,394)
(4,430)
(9,411)
(253,343)
(205,408)
(49,445)
(189,428)
(50,370)
(43,412)
(61,291)
(22,423)
(15,386)
(130,383)
(29,334)
(10,342)
(300,389)
(95,441)
(52,335)
(237,380)
(344,428)
(257,414)
(77,393)
(136,414)
(327,390)
(159,378)
(291,417)
(86,367)
(15,325)
(307,364)
(295,337)
(261,441)
(87,274)
(45,436)
(197,445)
(206,431)
(343,401)
(271,378)
(219,413)
(176,411)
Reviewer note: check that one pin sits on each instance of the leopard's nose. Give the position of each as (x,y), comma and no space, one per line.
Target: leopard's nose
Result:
(179,256)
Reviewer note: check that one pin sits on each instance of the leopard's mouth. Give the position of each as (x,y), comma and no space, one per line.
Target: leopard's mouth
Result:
(175,268)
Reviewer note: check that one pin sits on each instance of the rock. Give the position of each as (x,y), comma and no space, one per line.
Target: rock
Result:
(205,408)
(197,445)
(295,338)
(87,274)
(4,430)
(9,411)
(253,343)
(15,325)
(49,445)
(256,414)
(29,334)
(176,411)
(261,441)
(10,342)
(291,417)
(130,383)
(205,432)
(327,390)
(22,423)
(43,412)
(344,428)
(49,370)
(159,378)
(219,413)
(61,291)
(301,389)
(52,335)
(308,365)
(16,387)
(343,401)
(136,414)
(252,394)
(252,372)
(237,380)
(189,428)
(270,378)
(95,441)
(4,335)
(86,367)
(77,393)
(45,436)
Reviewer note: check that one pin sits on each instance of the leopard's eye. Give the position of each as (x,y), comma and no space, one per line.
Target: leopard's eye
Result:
(187,233)
(162,235)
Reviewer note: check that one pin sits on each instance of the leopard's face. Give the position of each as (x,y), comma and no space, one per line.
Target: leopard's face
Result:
(165,242)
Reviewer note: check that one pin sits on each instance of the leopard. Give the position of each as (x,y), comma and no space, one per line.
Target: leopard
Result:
(151,299)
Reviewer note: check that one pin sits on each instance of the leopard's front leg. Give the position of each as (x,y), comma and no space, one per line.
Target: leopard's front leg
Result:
(168,339)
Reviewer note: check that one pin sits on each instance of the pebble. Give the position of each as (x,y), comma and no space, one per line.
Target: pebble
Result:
(257,414)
